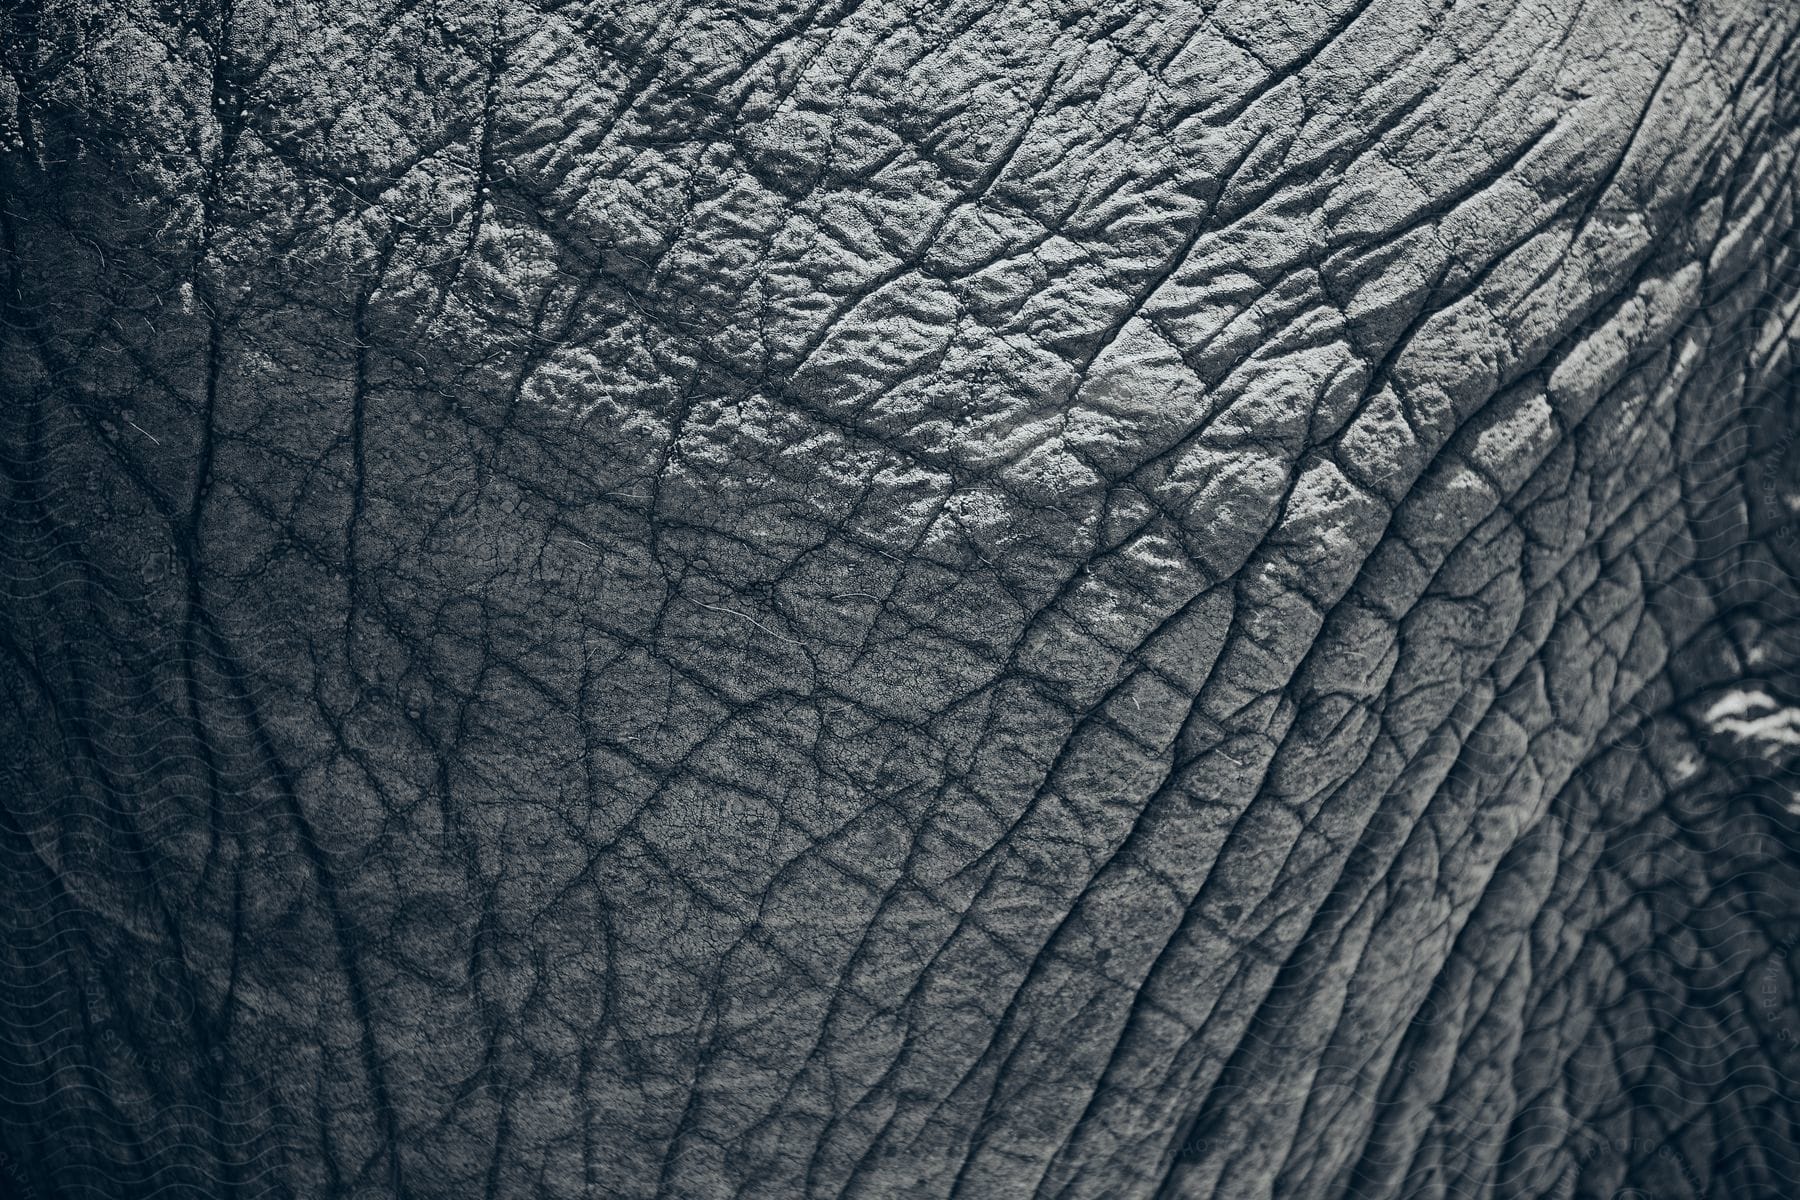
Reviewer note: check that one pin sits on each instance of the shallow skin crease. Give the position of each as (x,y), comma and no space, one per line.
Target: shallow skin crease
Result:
(843,601)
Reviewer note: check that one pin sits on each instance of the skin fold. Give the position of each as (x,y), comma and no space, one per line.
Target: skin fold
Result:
(881,600)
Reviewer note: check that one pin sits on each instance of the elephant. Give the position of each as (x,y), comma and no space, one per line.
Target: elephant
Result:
(885,599)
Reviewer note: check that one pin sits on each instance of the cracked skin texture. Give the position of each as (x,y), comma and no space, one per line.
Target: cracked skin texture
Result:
(965,600)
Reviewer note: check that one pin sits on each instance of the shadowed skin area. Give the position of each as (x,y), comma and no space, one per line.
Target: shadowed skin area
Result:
(864,600)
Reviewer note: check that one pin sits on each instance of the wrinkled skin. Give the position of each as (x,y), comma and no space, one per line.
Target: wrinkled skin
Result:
(632,601)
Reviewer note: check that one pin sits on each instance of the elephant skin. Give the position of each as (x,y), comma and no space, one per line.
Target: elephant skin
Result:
(900,600)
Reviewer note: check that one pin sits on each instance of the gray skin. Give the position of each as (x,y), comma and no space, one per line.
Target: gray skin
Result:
(966,601)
